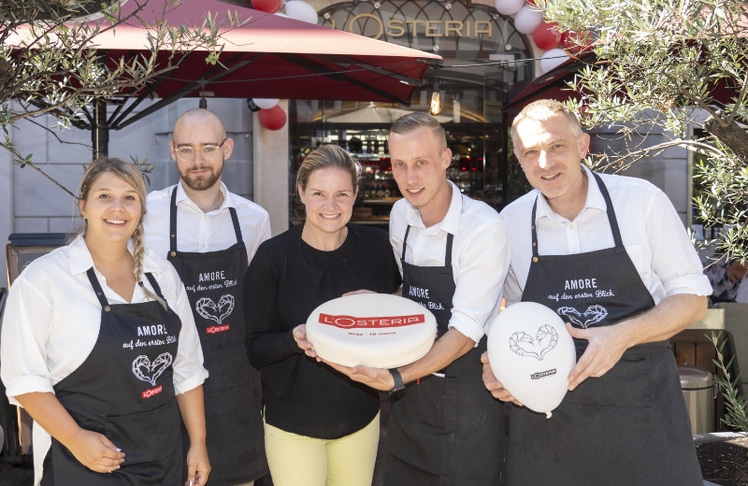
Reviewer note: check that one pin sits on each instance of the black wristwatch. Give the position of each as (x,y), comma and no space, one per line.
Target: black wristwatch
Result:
(398,379)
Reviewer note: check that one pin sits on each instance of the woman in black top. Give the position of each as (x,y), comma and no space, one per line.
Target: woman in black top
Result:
(321,429)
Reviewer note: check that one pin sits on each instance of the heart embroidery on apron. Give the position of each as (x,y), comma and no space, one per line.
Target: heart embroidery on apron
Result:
(215,312)
(590,317)
(148,371)
(525,345)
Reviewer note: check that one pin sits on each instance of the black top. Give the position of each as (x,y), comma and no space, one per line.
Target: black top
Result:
(285,282)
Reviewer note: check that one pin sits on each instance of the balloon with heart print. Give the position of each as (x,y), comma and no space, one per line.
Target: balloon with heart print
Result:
(531,353)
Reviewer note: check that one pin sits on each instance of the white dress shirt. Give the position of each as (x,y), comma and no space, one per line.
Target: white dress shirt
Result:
(652,232)
(51,324)
(480,256)
(200,232)
(52,318)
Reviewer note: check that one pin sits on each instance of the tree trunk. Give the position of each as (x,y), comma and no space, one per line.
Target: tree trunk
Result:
(731,135)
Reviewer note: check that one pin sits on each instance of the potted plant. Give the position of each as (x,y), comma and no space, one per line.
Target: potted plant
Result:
(724,455)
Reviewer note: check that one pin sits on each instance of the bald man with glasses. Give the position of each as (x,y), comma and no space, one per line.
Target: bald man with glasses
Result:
(210,234)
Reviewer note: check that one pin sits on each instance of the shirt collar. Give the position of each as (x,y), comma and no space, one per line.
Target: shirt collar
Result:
(81,261)
(80,257)
(449,223)
(228,200)
(594,200)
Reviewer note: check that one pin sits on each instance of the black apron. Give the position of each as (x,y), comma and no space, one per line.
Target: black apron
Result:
(233,393)
(124,391)
(444,430)
(629,427)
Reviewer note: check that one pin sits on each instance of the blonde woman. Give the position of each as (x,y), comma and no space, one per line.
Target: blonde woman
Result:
(99,346)
(321,429)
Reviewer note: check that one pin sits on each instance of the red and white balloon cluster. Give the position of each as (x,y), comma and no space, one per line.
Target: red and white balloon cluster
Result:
(271,116)
(528,20)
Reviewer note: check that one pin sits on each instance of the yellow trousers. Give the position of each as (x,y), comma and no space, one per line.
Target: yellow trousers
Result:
(298,460)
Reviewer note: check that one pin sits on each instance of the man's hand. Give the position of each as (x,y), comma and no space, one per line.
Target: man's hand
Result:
(606,346)
(493,385)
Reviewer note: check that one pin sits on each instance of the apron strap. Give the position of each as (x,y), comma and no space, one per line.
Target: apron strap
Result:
(155,285)
(97,287)
(173,224)
(612,220)
(611,212)
(100,291)
(447,254)
(405,241)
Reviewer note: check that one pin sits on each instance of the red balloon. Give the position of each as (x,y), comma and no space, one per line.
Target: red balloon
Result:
(272,119)
(269,6)
(547,36)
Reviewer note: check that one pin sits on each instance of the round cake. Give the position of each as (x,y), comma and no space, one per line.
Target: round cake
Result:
(378,330)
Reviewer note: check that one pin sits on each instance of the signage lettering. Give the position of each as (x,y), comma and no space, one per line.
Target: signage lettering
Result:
(427,28)
(348,322)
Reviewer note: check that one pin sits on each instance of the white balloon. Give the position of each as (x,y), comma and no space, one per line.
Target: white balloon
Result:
(300,10)
(531,353)
(509,7)
(552,58)
(265,103)
(527,19)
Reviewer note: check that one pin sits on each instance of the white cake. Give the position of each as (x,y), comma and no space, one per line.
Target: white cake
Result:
(378,330)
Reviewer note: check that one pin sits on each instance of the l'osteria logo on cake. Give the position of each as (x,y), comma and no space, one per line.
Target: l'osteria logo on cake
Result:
(349,322)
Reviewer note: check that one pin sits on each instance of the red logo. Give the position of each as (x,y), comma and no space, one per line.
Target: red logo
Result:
(348,322)
(152,391)
(217,329)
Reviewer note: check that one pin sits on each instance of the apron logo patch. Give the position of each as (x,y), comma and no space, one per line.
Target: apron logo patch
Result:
(152,392)
(217,312)
(590,317)
(525,345)
(149,372)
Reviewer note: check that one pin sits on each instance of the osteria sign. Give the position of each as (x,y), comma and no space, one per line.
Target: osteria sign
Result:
(418,27)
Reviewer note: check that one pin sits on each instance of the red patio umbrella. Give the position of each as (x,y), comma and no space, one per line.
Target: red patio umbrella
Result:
(270,56)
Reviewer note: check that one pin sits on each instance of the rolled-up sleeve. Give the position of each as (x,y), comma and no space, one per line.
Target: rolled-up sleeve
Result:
(23,352)
(674,259)
(189,372)
(481,269)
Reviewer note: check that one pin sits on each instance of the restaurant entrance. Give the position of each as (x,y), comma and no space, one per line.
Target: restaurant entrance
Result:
(484,56)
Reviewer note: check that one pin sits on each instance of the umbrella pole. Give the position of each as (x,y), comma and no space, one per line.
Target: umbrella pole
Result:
(99,129)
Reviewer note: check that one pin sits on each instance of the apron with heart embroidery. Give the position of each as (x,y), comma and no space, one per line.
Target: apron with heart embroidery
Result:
(233,393)
(444,430)
(124,390)
(629,426)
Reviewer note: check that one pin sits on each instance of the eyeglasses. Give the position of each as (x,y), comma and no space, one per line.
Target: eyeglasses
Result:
(186,153)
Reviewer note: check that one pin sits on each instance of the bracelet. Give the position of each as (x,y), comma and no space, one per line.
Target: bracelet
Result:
(398,379)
